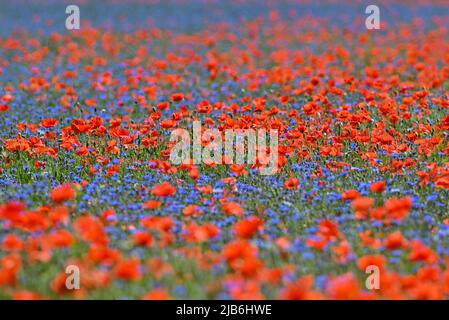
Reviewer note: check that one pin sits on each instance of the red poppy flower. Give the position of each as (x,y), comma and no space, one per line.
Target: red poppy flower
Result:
(398,208)
(395,241)
(291,183)
(176,97)
(378,187)
(12,242)
(239,249)
(442,182)
(164,189)
(167,124)
(350,195)
(163,105)
(4,107)
(301,289)
(7,97)
(248,228)
(49,122)
(233,208)
(91,229)
(192,210)
(362,204)
(143,239)
(157,294)
(152,204)
(128,270)
(63,193)
(196,233)
(371,260)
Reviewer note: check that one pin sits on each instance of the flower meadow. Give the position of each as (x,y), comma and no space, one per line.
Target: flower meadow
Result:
(362,178)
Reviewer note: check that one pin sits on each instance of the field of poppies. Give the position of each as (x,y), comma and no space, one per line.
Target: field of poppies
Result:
(358,208)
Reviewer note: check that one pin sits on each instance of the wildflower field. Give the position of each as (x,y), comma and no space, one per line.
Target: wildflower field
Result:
(361,186)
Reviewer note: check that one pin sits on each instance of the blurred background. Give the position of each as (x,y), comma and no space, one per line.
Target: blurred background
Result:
(189,16)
